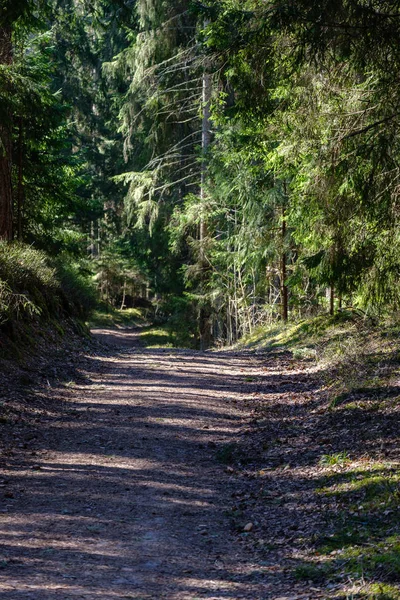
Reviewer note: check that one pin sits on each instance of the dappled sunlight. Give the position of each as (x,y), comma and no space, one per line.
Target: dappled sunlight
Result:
(138,482)
(127,499)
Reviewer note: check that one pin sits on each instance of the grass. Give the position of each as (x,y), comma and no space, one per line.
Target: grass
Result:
(303,337)
(40,297)
(358,546)
(157,337)
(166,336)
(340,459)
(109,317)
(34,286)
(361,540)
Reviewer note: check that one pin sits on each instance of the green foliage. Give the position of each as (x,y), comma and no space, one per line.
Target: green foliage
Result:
(78,293)
(33,286)
(329,460)
(178,317)
(110,317)
(12,304)
(363,539)
(28,280)
(297,193)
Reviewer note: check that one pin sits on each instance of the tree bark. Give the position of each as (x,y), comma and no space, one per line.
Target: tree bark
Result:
(284,288)
(332,301)
(204,315)
(123,295)
(6,200)
(93,250)
(20,189)
(205,143)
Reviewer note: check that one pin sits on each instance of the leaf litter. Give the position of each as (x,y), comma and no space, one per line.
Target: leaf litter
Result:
(115,484)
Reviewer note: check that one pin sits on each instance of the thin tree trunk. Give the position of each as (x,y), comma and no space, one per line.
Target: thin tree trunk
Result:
(205,144)
(123,295)
(204,325)
(284,289)
(93,250)
(20,189)
(6,200)
(332,301)
(98,237)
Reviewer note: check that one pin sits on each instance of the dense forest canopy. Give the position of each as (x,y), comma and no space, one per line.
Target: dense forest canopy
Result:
(234,162)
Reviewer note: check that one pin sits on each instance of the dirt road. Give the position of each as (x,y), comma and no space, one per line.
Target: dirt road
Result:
(118,493)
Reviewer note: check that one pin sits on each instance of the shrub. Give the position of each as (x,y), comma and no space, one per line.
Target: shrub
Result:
(77,291)
(33,285)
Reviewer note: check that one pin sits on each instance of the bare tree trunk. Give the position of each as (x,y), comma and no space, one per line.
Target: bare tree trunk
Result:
(204,315)
(332,301)
(93,249)
(98,237)
(284,289)
(20,189)
(205,143)
(6,201)
(123,295)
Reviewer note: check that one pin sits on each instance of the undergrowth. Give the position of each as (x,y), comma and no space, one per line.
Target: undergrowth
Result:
(169,324)
(108,316)
(357,360)
(36,289)
(167,335)
(361,540)
(357,357)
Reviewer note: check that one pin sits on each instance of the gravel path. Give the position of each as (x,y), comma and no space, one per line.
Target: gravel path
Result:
(118,493)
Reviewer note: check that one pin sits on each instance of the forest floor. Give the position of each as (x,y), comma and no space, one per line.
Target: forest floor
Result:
(150,473)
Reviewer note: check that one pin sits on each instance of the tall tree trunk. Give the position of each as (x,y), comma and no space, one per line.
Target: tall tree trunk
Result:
(204,316)
(284,289)
(93,248)
(20,189)
(6,230)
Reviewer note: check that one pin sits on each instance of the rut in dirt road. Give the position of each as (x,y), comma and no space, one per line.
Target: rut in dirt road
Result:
(123,496)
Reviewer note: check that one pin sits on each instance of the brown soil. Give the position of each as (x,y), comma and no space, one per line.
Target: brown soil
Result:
(115,486)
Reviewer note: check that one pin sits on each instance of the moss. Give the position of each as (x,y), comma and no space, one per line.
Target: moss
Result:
(362,535)
(156,337)
(379,591)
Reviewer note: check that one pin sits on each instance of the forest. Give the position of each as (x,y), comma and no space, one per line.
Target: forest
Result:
(234,163)
(199,299)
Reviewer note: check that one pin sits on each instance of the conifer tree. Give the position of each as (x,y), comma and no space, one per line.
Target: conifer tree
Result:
(10,12)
